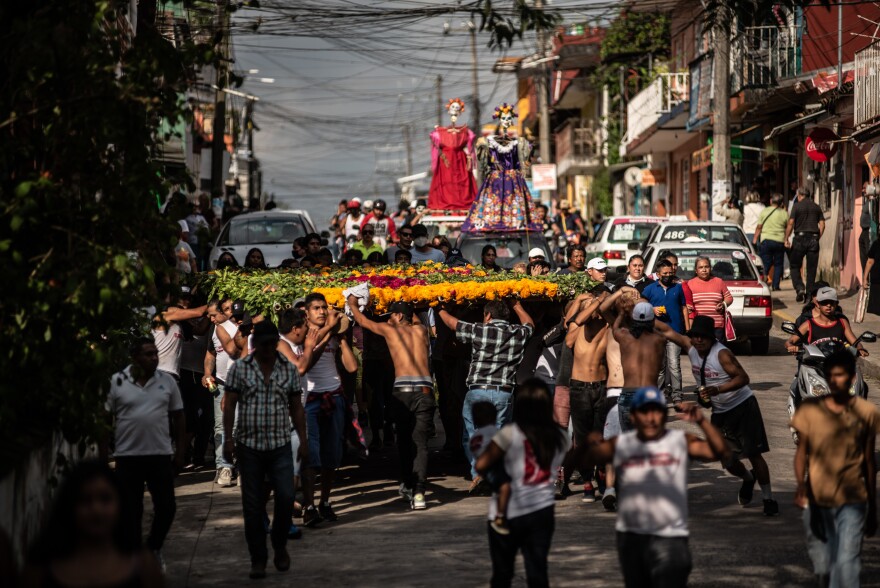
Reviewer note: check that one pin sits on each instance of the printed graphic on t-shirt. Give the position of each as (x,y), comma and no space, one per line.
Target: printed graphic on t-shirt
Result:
(533,473)
(660,459)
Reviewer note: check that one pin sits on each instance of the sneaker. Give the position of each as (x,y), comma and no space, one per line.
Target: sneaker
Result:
(609,501)
(311,516)
(327,513)
(224,478)
(405,493)
(589,494)
(418,502)
(499,525)
(294,532)
(562,490)
(747,490)
(800,297)
(258,570)
(159,559)
(771,508)
(281,559)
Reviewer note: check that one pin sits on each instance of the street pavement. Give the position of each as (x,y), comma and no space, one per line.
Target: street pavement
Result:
(378,541)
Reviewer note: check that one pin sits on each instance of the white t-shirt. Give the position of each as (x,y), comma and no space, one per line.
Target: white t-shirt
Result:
(142,413)
(481,438)
(323,375)
(715,375)
(168,342)
(431,255)
(652,484)
(223,359)
(531,487)
(353,226)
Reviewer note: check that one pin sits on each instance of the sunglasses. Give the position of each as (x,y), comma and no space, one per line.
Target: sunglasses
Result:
(368,232)
(827,302)
(406,234)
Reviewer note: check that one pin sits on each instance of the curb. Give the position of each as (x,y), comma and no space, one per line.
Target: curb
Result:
(870,367)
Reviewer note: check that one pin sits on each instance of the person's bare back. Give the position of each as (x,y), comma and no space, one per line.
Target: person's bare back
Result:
(643,358)
(612,362)
(589,352)
(408,345)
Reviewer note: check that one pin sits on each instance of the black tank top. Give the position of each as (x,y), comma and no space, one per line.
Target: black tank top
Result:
(818,333)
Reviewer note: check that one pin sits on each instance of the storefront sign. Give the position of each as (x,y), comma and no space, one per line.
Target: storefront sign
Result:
(701,159)
(544,176)
(653,177)
(820,144)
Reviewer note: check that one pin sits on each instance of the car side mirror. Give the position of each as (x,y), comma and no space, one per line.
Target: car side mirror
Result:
(634,245)
(869,337)
(789,328)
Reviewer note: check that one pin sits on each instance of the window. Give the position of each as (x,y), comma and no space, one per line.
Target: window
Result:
(624,231)
(265,230)
(723,234)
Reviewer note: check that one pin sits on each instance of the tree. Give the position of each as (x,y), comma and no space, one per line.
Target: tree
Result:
(509,24)
(83,245)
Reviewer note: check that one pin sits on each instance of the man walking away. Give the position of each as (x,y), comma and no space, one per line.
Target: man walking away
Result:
(498,348)
(735,410)
(651,464)
(265,388)
(770,238)
(807,223)
(412,396)
(140,401)
(837,434)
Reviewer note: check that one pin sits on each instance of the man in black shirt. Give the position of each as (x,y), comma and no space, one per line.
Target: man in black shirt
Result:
(807,222)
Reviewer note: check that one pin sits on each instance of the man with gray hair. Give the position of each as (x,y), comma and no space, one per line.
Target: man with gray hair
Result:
(807,223)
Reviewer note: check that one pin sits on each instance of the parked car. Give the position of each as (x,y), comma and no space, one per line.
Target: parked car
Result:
(702,231)
(510,247)
(619,237)
(272,232)
(752,306)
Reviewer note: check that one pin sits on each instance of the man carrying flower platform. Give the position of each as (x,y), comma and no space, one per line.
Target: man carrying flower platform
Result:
(498,348)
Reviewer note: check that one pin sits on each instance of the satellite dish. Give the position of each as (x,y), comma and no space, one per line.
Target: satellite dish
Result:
(632,177)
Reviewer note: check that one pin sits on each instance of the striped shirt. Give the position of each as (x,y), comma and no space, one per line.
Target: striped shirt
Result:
(498,349)
(707,294)
(263,413)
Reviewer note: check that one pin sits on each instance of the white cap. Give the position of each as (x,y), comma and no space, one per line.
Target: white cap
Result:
(643,312)
(368,204)
(597,263)
(355,199)
(183,226)
(537,252)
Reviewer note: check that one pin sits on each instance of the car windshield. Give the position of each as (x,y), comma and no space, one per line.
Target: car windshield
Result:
(510,250)
(624,231)
(727,264)
(723,234)
(265,230)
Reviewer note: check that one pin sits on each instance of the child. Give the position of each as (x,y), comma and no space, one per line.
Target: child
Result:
(484,415)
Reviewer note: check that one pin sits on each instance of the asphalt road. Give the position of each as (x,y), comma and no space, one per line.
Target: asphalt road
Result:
(378,541)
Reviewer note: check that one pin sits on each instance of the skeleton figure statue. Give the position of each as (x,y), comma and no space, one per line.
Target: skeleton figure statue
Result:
(452,162)
(504,203)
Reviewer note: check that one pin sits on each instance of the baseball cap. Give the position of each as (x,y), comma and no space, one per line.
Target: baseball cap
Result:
(647,396)
(537,252)
(825,294)
(405,308)
(265,331)
(643,312)
(597,263)
(368,204)
(185,291)
(354,203)
(702,326)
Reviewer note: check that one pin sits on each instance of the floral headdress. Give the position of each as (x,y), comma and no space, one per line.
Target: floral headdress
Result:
(504,109)
(458,101)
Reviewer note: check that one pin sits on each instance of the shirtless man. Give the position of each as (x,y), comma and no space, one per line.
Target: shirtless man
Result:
(413,394)
(587,336)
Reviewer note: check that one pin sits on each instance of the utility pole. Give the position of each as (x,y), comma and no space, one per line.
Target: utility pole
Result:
(543,106)
(218,144)
(474,65)
(721,167)
(249,121)
(408,143)
(439,101)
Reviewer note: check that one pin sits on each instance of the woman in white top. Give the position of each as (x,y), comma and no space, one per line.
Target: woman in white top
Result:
(751,212)
(532,448)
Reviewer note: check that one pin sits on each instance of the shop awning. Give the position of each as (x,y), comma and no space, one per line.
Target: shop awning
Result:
(795,123)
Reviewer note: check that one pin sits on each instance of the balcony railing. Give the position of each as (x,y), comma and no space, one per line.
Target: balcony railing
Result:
(867,85)
(663,94)
(762,56)
(578,145)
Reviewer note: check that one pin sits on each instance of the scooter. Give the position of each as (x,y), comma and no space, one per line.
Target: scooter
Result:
(810,378)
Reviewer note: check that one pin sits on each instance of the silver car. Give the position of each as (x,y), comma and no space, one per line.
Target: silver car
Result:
(272,232)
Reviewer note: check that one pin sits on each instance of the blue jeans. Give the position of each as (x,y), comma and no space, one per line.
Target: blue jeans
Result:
(219,435)
(840,555)
(502,401)
(255,467)
(325,432)
(773,254)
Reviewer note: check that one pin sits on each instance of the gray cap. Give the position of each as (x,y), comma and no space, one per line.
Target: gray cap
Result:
(825,294)
(643,312)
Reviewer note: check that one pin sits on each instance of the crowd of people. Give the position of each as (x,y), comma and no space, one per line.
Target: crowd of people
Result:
(531,396)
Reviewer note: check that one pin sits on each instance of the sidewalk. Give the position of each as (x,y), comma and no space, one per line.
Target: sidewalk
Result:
(786,308)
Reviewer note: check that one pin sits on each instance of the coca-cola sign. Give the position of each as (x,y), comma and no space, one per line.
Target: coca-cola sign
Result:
(820,144)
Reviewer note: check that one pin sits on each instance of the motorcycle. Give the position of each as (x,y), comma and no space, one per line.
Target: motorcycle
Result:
(810,378)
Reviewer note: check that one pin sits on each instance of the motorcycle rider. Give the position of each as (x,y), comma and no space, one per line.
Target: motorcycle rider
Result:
(811,309)
(825,325)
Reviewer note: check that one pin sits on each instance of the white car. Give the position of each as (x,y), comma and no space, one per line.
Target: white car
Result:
(703,231)
(620,237)
(752,306)
(272,232)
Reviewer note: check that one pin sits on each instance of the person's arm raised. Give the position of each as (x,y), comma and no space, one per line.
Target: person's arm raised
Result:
(671,334)
(522,314)
(713,446)
(361,319)
(448,320)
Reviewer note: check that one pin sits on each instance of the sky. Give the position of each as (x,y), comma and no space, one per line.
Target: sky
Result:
(348,81)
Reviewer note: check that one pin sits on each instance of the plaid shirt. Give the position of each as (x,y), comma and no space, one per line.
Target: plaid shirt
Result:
(498,348)
(263,414)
